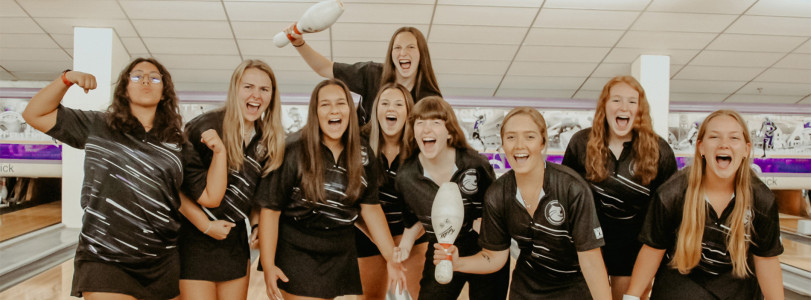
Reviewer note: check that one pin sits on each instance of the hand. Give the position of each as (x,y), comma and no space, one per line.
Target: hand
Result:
(212,140)
(219,229)
(400,254)
(254,241)
(397,277)
(441,253)
(272,274)
(295,39)
(83,80)
(477,225)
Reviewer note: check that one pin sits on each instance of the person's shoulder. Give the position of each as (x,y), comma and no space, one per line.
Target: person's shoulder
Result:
(664,147)
(581,137)
(472,158)
(211,119)
(674,188)
(762,195)
(567,177)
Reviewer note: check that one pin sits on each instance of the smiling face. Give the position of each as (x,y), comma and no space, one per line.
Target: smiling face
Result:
(333,113)
(432,137)
(144,93)
(523,144)
(723,147)
(255,92)
(620,111)
(392,112)
(405,55)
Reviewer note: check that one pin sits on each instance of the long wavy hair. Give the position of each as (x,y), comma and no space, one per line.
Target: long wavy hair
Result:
(168,123)
(433,108)
(691,230)
(536,117)
(425,83)
(312,166)
(373,127)
(645,144)
(233,124)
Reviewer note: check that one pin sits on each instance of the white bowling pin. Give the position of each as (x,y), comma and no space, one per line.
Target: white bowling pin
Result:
(447,216)
(317,18)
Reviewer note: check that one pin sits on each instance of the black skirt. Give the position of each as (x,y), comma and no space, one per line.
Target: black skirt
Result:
(159,281)
(319,263)
(205,258)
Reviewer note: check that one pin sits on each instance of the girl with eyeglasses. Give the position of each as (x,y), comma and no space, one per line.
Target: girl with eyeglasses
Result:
(135,155)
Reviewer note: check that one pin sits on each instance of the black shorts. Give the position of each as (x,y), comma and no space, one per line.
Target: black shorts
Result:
(159,281)
(367,248)
(205,258)
(525,286)
(619,254)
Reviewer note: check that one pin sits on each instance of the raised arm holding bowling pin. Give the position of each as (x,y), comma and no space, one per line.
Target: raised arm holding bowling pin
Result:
(317,18)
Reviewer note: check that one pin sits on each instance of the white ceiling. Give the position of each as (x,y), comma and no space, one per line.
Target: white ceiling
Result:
(737,51)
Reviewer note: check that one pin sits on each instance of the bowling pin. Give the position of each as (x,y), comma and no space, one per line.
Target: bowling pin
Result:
(317,18)
(447,216)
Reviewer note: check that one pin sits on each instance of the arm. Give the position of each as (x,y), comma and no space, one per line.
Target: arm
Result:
(254,222)
(40,112)
(485,262)
(269,230)
(769,276)
(372,215)
(591,262)
(315,60)
(410,236)
(644,269)
(217,176)
(217,229)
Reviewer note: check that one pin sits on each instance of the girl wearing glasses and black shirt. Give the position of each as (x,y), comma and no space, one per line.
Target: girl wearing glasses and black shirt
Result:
(135,154)
(311,203)
(215,256)
(624,162)
(437,152)
(547,208)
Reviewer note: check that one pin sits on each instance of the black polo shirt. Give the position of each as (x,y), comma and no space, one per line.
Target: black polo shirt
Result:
(713,272)
(564,223)
(282,190)
(238,200)
(363,78)
(390,199)
(621,200)
(473,175)
(129,192)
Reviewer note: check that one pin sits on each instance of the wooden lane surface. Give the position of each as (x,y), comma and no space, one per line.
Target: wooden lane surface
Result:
(27,220)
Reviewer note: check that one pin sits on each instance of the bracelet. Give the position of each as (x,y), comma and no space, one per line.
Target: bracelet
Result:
(302,44)
(65,79)
(208,228)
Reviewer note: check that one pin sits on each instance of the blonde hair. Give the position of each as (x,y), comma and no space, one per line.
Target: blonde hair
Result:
(233,125)
(646,143)
(691,230)
(373,127)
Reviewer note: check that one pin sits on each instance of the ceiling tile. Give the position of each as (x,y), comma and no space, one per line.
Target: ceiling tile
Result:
(6,75)
(264,30)
(282,63)
(205,62)
(483,15)
(705,86)
(35,66)
(387,1)
(472,51)
(548,83)
(551,69)
(779,89)
(382,13)
(510,3)
(759,43)
(467,92)
(75,8)
(806,100)
(597,4)
(9,8)
(714,73)
(476,34)
(584,19)
(468,81)
(795,61)
(183,29)
(459,66)
(534,93)
(629,55)
(665,40)
(786,75)
(134,45)
(697,97)
(64,40)
(201,87)
(173,10)
(783,8)
(298,77)
(739,98)
(590,95)
(39,54)
(12,40)
(264,11)
(736,59)
(772,26)
(364,32)
(202,76)
(561,54)
(18,25)
(359,49)
(595,84)
(682,22)
(734,7)
(45,77)
(191,46)
(611,70)
(266,47)
(805,48)
(572,37)
(65,26)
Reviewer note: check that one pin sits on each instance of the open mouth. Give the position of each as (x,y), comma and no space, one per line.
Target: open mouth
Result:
(391,120)
(405,64)
(622,121)
(253,107)
(428,142)
(334,123)
(521,158)
(723,161)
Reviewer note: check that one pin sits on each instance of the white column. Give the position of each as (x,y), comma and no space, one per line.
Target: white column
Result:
(96,51)
(653,72)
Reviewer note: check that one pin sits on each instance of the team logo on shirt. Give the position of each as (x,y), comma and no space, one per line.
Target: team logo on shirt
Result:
(747,217)
(554,213)
(470,182)
(364,158)
(173,147)
(260,150)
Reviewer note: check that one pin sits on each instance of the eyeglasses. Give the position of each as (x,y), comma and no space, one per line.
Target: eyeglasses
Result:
(153,78)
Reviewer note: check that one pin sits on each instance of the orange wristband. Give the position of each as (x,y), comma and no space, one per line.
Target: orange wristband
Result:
(65,79)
